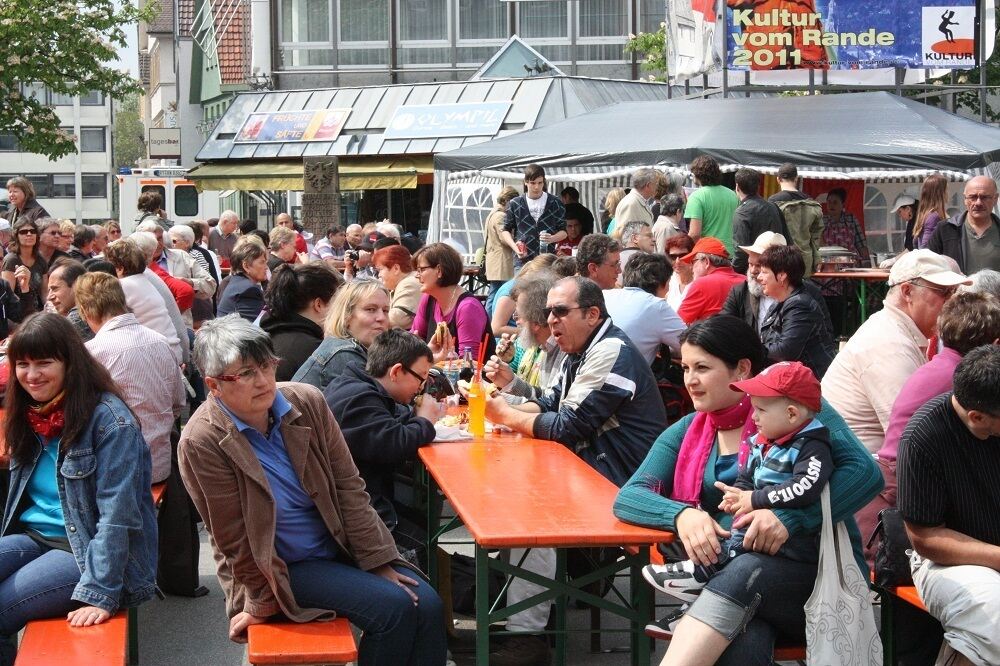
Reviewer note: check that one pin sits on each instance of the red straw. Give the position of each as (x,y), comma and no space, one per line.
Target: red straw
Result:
(482,350)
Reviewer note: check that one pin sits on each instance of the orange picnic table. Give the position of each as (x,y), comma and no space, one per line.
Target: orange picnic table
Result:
(515,492)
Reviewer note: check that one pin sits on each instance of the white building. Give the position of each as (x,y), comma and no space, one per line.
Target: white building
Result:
(78,186)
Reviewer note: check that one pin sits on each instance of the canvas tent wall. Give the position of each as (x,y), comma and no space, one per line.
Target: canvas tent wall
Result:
(877,137)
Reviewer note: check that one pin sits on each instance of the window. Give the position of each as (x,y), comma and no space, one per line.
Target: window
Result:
(94,185)
(364,20)
(92,98)
(423,20)
(482,19)
(92,140)
(306,57)
(305,21)
(8,144)
(43,188)
(882,230)
(651,14)
(60,99)
(36,90)
(603,18)
(543,19)
(185,201)
(63,186)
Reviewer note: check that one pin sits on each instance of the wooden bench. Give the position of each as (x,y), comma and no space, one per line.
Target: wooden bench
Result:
(301,643)
(54,641)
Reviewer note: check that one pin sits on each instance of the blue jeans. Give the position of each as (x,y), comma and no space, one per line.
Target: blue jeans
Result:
(492,294)
(35,582)
(397,633)
(753,600)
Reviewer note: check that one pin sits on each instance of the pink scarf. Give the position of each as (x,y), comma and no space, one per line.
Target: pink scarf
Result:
(696,447)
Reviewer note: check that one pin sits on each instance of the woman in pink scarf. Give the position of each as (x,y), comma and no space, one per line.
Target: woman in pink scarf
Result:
(758,596)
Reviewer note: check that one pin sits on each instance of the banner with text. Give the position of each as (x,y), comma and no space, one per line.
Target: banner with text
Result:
(291,126)
(850,34)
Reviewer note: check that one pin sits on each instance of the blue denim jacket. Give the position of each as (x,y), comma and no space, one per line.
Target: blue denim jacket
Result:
(329,361)
(104,481)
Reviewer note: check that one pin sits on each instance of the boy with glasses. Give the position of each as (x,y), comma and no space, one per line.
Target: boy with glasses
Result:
(372,407)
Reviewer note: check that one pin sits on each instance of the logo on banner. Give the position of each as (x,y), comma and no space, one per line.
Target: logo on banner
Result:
(949,36)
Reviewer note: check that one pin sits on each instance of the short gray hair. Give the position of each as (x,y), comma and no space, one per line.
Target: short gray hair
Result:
(985,281)
(643,177)
(220,342)
(633,228)
(182,231)
(387,228)
(149,225)
(531,293)
(226,214)
(145,241)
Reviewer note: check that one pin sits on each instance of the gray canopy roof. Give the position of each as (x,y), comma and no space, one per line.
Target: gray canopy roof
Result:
(875,130)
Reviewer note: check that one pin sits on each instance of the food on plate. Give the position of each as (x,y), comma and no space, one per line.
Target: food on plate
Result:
(454,420)
(440,333)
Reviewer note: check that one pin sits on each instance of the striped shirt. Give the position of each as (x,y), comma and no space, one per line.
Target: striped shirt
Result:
(947,476)
(143,365)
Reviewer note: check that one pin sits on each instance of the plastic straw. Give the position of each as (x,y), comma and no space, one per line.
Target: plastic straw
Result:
(482,350)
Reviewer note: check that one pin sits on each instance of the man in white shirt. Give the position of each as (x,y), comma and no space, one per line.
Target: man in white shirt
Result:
(868,373)
(640,310)
(182,265)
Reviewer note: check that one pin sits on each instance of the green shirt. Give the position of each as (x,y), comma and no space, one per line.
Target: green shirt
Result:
(983,252)
(714,205)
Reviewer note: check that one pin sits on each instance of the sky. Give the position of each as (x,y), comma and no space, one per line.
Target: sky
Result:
(128,57)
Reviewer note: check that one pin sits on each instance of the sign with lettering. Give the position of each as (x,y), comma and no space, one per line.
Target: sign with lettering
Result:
(850,34)
(292,126)
(434,121)
(164,143)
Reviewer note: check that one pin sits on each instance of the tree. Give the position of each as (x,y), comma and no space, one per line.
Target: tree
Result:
(128,133)
(653,46)
(64,45)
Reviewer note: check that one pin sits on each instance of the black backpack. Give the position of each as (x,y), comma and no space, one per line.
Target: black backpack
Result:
(430,325)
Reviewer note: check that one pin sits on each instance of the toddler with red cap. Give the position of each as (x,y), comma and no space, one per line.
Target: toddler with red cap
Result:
(789,464)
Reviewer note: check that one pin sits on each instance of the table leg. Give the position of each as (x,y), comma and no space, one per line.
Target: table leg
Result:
(641,605)
(561,605)
(863,297)
(432,529)
(482,606)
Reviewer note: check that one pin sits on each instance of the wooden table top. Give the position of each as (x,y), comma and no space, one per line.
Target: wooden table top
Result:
(513,491)
(870,275)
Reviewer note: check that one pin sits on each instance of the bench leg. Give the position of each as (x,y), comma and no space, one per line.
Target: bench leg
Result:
(562,602)
(888,620)
(133,636)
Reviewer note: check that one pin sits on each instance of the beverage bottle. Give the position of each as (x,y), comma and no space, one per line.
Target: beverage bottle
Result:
(452,368)
(468,365)
(477,406)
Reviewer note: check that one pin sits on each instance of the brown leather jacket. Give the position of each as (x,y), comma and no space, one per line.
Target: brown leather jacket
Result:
(228,485)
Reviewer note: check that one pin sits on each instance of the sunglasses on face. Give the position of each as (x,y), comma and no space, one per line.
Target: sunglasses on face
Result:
(27,232)
(559,311)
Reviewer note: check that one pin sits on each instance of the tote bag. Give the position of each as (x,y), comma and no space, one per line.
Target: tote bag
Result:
(840,623)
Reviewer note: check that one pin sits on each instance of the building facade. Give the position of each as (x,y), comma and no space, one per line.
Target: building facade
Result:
(78,186)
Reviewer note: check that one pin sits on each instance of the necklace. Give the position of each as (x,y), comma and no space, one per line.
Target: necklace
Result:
(452,299)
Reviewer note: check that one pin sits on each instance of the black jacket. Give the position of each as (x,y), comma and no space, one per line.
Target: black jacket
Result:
(294,339)
(947,238)
(741,303)
(242,296)
(380,432)
(754,216)
(794,330)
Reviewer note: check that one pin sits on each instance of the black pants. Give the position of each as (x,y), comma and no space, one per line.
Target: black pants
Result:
(177,572)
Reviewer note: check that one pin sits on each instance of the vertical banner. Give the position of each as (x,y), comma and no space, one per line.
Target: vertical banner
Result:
(694,38)
(850,34)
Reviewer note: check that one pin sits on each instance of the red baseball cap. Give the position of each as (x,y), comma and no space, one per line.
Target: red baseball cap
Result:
(788,379)
(706,245)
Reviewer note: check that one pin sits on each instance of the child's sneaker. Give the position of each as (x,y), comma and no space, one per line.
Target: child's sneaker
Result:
(663,629)
(676,579)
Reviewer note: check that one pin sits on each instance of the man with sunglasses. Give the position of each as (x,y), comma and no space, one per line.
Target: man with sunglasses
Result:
(972,238)
(372,407)
(866,376)
(606,408)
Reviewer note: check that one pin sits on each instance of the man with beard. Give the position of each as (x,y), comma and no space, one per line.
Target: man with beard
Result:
(748,302)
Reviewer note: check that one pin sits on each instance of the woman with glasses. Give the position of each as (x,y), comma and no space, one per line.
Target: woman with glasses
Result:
(678,246)
(439,269)
(372,408)
(114,230)
(359,312)
(292,528)
(24,269)
(79,530)
(23,205)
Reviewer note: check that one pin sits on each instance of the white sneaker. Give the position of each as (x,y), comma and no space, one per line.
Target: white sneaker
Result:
(676,579)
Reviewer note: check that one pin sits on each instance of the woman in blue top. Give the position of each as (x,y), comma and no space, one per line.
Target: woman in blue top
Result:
(758,596)
(79,529)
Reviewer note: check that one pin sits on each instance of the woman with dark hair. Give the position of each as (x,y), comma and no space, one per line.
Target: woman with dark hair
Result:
(677,246)
(23,205)
(757,596)
(243,294)
(298,299)
(794,329)
(79,526)
(23,267)
(445,304)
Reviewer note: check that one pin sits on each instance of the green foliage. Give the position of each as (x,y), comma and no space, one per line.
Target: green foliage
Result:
(128,132)
(64,45)
(653,48)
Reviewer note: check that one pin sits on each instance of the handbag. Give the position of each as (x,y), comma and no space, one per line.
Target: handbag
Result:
(892,564)
(840,623)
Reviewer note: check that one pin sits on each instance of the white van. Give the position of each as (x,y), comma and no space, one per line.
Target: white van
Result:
(181,200)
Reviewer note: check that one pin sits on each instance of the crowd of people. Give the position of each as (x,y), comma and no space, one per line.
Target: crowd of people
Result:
(278,386)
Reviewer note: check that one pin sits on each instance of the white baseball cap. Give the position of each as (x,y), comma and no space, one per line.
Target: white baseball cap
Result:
(903,200)
(764,241)
(925,265)
(4,225)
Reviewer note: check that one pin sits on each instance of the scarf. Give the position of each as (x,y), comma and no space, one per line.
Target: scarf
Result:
(696,447)
(48,419)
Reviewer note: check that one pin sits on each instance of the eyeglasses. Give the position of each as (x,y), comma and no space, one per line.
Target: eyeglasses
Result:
(560,311)
(421,269)
(980,197)
(412,373)
(675,257)
(247,375)
(27,232)
(947,292)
